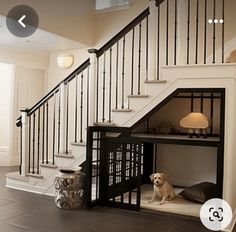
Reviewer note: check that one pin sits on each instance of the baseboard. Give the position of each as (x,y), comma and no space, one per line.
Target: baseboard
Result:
(24,186)
(4,156)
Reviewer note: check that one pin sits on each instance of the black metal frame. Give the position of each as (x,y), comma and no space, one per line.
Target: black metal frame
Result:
(196,142)
(102,148)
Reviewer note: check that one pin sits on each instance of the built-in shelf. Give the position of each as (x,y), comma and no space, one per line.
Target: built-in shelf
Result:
(178,139)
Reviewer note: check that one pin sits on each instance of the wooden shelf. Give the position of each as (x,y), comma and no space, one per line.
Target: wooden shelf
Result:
(178,139)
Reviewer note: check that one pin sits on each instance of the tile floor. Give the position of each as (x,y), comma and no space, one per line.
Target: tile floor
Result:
(27,212)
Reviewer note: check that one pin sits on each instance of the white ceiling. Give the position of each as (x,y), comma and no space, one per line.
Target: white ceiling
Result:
(72,19)
(63,25)
(41,41)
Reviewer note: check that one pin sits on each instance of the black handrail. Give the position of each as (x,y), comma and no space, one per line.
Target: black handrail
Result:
(123,32)
(84,65)
(56,88)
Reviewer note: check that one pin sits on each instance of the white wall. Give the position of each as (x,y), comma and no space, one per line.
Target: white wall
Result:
(107,24)
(19,57)
(28,69)
(28,90)
(187,165)
(56,74)
(6,107)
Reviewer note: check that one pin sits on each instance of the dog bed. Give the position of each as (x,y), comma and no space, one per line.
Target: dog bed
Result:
(178,206)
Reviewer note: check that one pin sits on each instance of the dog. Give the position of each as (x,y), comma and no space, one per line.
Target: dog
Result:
(162,188)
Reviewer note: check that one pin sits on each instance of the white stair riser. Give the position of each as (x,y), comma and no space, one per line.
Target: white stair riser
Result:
(45,185)
(154,89)
(78,151)
(136,105)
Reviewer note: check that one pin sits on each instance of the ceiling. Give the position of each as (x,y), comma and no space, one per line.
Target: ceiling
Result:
(41,41)
(64,24)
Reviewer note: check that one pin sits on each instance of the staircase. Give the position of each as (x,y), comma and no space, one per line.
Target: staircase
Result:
(117,86)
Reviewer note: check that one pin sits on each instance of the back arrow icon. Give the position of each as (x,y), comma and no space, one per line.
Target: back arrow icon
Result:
(21,19)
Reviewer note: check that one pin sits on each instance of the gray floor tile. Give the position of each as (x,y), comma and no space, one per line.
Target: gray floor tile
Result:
(27,212)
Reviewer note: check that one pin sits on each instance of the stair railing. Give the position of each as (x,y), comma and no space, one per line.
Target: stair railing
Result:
(53,122)
(168,33)
(122,66)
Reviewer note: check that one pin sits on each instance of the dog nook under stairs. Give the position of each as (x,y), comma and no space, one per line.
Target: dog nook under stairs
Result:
(123,160)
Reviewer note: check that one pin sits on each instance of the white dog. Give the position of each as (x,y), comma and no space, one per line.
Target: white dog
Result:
(162,189)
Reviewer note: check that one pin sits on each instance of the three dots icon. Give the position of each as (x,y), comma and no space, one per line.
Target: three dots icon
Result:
(210,21)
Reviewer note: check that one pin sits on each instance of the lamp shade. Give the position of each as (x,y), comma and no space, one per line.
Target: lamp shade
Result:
(65,60)
(194,120)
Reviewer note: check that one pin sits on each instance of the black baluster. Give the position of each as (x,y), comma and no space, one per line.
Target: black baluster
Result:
(59,121)
(97,90)
(139,58)
(43,134)
(123,75)
(20,170)
(29,144)
(54,127)
(81,106)
(67,117)
(175,39)
(167,32)
(76,106)
(88,94)
(47,161)
(104,87)
(197,21)
(201,103)
(33,149)
(223,31)
(38,141)
(158,42)
(130,170)
(132,63)
(117,71)
(188,31)
(147,48)
(191,105)
(214,33)
(205,33)
(110,83)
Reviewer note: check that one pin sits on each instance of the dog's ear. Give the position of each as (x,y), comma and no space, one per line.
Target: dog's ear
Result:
(151,177)
(164,176)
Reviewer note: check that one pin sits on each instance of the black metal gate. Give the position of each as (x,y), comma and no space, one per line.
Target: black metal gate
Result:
(124,173)
(114,169)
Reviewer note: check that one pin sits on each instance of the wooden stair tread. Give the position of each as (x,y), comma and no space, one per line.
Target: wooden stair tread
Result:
(45,165)
(122,110)
(83,144)
(155,82)
(104,124)
(138,96)
(35,175)
(63,155)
